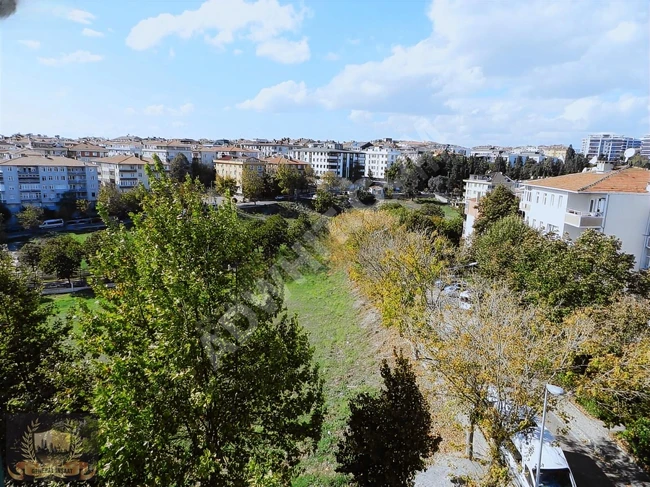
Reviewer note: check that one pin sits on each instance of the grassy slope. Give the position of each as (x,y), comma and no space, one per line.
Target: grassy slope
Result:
(63,303)
(325,305)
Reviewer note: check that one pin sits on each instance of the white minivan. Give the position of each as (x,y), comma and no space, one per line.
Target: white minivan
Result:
(57,223)
(521,456)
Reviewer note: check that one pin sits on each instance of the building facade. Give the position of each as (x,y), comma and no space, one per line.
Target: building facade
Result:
(124,146)
(645,146)
(42,181)
(234,168)
(378,159)
(125,172)
(610,145)
(166,150)
(615,202)
(339,161)
(86,152)
(476,187)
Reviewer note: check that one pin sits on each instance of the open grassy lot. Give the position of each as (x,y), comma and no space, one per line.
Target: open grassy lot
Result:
(64,303)
(346,351)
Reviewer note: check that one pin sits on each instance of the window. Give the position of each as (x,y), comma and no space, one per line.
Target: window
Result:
(541,225)
(552,198)
(559,200)
(534,223)
(544,199)
(536,196)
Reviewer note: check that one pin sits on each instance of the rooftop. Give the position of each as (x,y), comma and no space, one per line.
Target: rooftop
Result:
(282,160)
(125,160)
(626,180)
(46,161)
(87,147)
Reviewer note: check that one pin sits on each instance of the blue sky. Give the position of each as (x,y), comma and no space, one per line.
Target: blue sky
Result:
(465,72)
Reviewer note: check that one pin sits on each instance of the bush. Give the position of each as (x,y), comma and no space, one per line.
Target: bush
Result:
(271,234)
(423,201)
(324,201)
(365,197)
(431,209)
(392,205)
(637,435)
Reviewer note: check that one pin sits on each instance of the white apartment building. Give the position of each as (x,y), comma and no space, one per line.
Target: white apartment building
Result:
(645,146)
(125,172)
(232,151)
(86,152)
(339,161)
(124,146)
(379,159)
(166,150)
(476,187)
(268,149)
(612,146)
(615,202)
(42,181)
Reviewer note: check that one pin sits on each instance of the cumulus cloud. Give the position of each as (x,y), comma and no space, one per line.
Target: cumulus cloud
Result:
(263,22)
(277,98)
(77,57)
(80,16)
(284,51)
(30,43)
(469,78)
(91,33)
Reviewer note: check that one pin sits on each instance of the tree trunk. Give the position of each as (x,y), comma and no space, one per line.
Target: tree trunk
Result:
(470,441)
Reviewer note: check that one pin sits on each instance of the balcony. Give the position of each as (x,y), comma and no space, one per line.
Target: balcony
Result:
(583,219)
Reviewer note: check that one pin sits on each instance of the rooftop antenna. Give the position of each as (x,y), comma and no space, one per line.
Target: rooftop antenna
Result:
(629,153)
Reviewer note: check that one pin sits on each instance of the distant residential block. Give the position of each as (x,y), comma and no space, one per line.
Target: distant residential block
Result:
(125,172)
(610,145)
(42,181)
(476,188)
(234,167)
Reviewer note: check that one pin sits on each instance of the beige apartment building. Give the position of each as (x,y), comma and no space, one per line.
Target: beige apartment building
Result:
(234,167)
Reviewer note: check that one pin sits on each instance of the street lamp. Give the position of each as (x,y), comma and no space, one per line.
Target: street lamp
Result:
(556,391)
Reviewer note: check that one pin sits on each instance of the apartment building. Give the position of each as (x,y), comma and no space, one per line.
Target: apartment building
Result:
(239,152)
(234,167)
(554,151)
(378,159)
(125,146)
(166,150)
(268,149)
(273,163)
(86,152)
(645,146)
(337,160)
(615,202)
(610,145)
(125,172)
(476,187)
(42,181)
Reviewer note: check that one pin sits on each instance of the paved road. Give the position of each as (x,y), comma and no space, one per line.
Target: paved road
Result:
(594,457)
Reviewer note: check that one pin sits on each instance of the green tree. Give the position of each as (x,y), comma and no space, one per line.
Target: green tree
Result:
(131,201)
(67,206)
(289,179)
(324,201)
(30,217)
(110,199)
(93,245)
(179,168)
(205,174)
(61,256)
(431,209)
(225,185)
(252,184)
(438,184)
(389,437)
(497,204)
(83,207)
(5,212)
(30,254)
(330,182)
(197,361)
(271,235)
(33,348)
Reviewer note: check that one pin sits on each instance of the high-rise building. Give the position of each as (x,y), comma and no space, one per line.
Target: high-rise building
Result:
(645,146)
(610,145)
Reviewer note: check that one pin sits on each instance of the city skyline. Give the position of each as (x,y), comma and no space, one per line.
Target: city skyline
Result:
(465,73)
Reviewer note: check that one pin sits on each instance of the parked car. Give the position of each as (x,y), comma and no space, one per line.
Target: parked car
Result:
(56,223)
(521,455)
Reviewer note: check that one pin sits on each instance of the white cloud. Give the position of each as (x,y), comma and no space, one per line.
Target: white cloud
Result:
(278,97)
(284,51)
(353,42)
(472,82)
(332,56)
(80,16)
(77,57)
(157,110)
(30,43)
(221,21)
(91,33)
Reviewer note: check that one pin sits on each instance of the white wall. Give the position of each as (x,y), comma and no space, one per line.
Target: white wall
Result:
(627,219)
(549,211)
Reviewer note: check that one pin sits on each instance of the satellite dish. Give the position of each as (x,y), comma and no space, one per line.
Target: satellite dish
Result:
(593,161)
(629,153)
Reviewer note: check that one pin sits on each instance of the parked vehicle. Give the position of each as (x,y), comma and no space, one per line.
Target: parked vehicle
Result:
(521,455)
(56,223)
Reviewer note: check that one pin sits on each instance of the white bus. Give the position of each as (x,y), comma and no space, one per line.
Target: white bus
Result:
(521,456)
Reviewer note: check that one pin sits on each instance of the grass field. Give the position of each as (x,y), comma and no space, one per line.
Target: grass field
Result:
(325,305)
(63,303)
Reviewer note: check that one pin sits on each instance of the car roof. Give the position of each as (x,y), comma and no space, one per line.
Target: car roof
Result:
(528,445)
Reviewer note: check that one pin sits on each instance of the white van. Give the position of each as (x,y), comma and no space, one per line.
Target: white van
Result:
(57,223)
(521,456)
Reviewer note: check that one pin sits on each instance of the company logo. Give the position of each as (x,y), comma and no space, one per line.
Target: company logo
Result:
(50,446)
